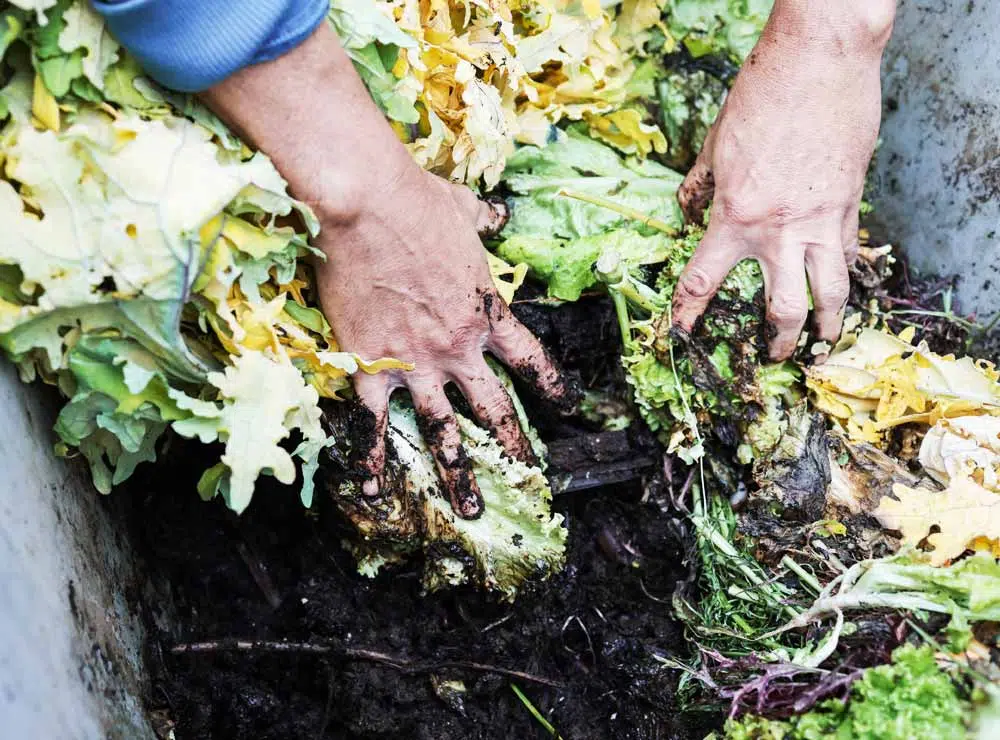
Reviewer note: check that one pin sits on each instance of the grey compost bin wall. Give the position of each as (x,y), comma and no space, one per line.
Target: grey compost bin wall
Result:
(938,172)
(70,644)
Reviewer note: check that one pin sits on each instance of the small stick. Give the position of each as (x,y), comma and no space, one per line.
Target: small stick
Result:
(260,576)
(392,661)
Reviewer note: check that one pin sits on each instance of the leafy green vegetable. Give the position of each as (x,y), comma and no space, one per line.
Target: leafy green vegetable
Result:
(516,540)
(578,165)
(968,589)
(910,699)
(729,27)
(572,204)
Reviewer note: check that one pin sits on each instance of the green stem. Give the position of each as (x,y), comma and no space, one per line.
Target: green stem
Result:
(621,311)
(535,713)
(805,576)
(626,211)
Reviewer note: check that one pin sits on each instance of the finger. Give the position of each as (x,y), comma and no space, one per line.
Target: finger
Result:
(826,267)
(787,302)
(494,409)
(489,216)
(370,427)
(521,351)
(439,428)
(696,191)
(702,277)
(492,216)
(849,237)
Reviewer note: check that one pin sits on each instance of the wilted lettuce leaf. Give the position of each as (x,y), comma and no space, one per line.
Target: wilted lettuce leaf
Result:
(516,540)
(690,101)
(561,236)
(108,254)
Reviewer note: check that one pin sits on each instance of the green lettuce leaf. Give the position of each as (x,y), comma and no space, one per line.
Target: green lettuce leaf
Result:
(564,217)
(909,699)
(728,27)
(579,165)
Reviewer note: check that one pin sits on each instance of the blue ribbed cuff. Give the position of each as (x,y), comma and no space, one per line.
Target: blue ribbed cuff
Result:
(190,45)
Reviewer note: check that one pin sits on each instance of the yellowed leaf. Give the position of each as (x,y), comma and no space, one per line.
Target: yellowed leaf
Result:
(507,278)
(874,381)
(966,514)
(624,129)
(44,106)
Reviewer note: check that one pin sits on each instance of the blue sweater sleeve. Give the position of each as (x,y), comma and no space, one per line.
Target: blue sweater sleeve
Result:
(190,45)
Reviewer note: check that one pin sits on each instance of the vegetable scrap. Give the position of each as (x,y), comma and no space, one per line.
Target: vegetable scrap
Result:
(843,516)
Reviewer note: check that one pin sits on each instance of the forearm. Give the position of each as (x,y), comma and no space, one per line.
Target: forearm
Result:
(310,112)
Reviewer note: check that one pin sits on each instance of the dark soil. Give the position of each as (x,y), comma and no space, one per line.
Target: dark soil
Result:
(279,573)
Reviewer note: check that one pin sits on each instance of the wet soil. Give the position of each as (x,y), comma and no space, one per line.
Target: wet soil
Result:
(279,573)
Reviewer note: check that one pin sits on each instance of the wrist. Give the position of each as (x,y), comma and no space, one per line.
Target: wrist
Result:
(848,26)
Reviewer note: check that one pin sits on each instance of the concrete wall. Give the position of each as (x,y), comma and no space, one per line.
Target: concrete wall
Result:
(70,644)
(938,172)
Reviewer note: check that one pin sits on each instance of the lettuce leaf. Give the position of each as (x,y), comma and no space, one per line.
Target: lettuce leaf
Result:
(728,27)
(517,539)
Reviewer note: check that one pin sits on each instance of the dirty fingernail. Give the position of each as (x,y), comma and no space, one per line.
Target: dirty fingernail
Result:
(499,215)
(370,487)
(471,507)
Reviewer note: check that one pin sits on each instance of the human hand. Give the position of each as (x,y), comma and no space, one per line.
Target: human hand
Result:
(407,277)
(784,166)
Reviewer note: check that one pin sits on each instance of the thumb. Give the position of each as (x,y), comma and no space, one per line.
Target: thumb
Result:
(489,215)
(696,191)
(700,281)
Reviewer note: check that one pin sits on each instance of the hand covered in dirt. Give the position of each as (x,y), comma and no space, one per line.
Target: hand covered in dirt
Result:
(784,166)
(406,275)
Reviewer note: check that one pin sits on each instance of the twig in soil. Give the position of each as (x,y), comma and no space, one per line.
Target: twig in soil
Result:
(497,623)
(396,662)
(260,576)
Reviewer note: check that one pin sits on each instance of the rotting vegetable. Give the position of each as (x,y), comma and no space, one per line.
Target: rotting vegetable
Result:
(155,270)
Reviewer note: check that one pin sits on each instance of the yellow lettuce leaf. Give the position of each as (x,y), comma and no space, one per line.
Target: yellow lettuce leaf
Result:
(874,381)
(966,515)
(624,130)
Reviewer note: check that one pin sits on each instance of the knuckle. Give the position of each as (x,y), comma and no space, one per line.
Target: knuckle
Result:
(496,405)
(835,292)
(787,313)
(465,337)
(695,283)
(735,210)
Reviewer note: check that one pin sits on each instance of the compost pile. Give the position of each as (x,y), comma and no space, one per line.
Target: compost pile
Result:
(843,517)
